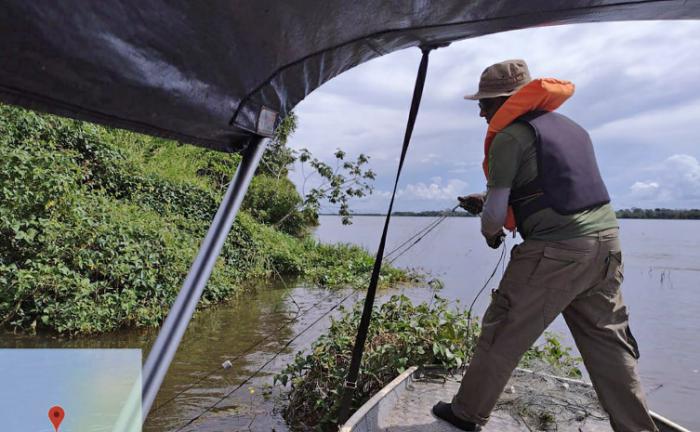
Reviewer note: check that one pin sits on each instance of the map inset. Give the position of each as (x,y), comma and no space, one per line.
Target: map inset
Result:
(70,390)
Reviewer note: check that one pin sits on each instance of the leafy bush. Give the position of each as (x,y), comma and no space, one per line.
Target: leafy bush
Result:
(34,186)
(98,227)
(557,358)
(172,161)
(274,201)
(340,264)
(278,156)
(401,335)
(101,264)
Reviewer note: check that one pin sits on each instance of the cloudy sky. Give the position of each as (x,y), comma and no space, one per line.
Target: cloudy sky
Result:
(638,95)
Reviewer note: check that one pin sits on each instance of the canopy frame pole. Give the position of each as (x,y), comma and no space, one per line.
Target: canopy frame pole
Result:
(172,330)
(353,371)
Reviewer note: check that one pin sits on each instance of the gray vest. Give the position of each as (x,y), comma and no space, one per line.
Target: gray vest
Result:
(568,180)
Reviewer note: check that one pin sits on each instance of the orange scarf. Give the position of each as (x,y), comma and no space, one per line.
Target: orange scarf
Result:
(543,94)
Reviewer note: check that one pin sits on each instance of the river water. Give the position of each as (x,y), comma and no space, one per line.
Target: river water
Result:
(256,334)
(662,265)
(661,289)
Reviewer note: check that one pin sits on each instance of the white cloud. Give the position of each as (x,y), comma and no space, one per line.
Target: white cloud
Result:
(434,191)
(645,190)
(684,168)
(654,125)
(635,92)
(676,183)
(430,158)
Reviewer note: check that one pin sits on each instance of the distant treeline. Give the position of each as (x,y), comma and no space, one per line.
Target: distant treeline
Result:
(449,213)
(633,213)
(427,213)
(659,213)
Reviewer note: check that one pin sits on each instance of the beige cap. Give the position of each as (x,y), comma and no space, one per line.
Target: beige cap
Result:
(502,79)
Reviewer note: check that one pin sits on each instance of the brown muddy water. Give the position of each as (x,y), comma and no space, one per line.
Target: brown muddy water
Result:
(198,394)
(662,288)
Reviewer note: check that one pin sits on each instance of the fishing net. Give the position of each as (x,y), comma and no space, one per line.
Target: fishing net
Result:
(533,400)
(541,401)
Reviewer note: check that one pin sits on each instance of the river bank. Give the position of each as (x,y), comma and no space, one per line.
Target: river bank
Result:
(99,228)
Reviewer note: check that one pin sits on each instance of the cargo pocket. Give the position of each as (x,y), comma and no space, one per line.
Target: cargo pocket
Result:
(556,265)
(632,343)
(614,273)
(494,318)
(553,275)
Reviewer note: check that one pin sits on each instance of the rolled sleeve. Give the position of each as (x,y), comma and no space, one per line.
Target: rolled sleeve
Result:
(495,211)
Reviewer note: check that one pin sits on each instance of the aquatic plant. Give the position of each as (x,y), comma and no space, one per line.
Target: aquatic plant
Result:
(552,357)
(401,335)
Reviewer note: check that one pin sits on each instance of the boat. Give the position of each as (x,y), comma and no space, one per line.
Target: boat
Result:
(223,77)
(405,405)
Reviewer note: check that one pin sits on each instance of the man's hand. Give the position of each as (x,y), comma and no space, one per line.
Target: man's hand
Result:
(495,241)
(473,203)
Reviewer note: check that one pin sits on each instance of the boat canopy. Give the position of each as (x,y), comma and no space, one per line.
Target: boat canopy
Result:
(222,74)
(216,73)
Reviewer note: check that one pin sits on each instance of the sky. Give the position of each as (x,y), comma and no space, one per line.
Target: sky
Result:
(637,94)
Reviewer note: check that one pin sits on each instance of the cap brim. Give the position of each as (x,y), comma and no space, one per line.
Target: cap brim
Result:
(488,95)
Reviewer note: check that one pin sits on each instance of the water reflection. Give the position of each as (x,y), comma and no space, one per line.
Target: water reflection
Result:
(248,332)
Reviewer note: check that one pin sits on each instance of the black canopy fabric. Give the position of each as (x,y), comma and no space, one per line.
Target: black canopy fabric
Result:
(214,73)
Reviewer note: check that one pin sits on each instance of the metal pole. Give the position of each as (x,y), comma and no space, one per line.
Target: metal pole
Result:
(181,312)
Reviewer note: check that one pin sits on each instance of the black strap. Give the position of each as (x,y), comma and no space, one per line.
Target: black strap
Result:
(523,210)
(526,191)
(528,199)
(351,379)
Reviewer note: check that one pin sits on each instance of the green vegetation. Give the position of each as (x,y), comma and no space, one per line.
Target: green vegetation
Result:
(98,226)
(659,213)
(336,185)
(401,335)
(557,358)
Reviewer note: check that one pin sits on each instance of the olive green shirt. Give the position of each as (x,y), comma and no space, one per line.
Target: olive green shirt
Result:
(513,163)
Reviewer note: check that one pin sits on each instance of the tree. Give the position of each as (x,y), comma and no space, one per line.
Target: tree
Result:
(278,157)
(270,201)
(338,185)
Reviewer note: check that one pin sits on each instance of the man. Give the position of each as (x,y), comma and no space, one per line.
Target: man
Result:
(542,178)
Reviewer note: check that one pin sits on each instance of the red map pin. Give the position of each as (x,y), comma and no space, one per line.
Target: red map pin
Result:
(56,415)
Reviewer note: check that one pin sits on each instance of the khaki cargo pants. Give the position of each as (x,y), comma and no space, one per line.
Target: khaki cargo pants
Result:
(580,277)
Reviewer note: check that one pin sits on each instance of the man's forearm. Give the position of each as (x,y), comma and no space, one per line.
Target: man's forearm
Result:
(495,211)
